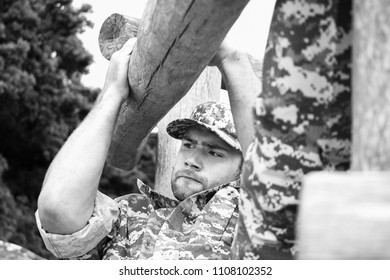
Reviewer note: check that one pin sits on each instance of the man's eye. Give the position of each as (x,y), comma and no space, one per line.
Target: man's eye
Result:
(188,145)
(214,154)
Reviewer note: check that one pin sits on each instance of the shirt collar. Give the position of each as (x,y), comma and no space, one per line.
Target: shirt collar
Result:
(202,198)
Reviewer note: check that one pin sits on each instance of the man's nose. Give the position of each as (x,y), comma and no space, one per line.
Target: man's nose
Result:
(194,161)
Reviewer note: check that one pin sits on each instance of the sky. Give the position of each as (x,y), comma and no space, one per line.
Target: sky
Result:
(248,34)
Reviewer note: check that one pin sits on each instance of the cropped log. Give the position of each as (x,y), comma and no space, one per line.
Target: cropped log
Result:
(345,215)
(115,31)
(176,41)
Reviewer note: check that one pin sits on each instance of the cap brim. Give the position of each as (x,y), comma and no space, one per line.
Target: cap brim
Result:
(178,128)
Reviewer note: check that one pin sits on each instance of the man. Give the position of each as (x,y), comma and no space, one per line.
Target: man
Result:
(77,221)
(303,121)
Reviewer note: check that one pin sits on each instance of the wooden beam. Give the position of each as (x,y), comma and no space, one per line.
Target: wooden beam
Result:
(117,29)
(176,41)
(345,216)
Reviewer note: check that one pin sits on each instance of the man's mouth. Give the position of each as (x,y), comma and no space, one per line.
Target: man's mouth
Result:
(190,178)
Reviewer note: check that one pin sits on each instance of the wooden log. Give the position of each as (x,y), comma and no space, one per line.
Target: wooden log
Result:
(345,216)
(117,29)
(176,41)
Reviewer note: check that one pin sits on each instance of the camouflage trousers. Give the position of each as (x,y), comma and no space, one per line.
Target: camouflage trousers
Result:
(302,119)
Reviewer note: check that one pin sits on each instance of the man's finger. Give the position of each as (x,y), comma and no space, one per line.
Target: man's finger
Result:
(127,48)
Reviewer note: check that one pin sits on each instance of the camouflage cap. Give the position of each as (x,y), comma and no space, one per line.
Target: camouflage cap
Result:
(215,116)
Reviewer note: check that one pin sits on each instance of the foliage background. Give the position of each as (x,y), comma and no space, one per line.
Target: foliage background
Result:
(42,100)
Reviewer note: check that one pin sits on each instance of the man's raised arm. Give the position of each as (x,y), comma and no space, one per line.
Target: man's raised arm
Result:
(243,86)
(67,198)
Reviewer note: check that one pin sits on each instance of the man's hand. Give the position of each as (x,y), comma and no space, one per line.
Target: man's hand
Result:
(116,78)
(242,85)
(67,200)
(224,52)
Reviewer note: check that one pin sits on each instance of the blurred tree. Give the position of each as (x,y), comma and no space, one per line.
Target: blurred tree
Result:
(41,97)
(42,101)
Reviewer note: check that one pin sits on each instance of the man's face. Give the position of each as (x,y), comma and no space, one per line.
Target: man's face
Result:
(204,161)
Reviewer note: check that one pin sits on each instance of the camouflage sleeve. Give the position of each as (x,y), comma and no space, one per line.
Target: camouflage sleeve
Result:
(302,121)
(86,240)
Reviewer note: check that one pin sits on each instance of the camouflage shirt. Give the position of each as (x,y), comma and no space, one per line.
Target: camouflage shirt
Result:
(152,226)
(302,121)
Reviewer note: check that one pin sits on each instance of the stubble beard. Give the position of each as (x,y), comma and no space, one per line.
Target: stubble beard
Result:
(184,187)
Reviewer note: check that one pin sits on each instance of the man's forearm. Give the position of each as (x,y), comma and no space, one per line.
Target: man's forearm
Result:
(67,199)
(243,86)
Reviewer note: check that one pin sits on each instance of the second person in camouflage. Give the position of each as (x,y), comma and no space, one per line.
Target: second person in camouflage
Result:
(303,121)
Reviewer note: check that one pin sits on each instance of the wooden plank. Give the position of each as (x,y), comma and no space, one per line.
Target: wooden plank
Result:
(176,40)
(345,216)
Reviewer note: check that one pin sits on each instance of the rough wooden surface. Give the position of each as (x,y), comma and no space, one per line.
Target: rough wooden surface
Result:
(371,87)
(176,40)
(345,216)
(115,31)
(206,88)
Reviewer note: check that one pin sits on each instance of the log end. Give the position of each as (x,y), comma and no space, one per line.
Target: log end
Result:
(115,31)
